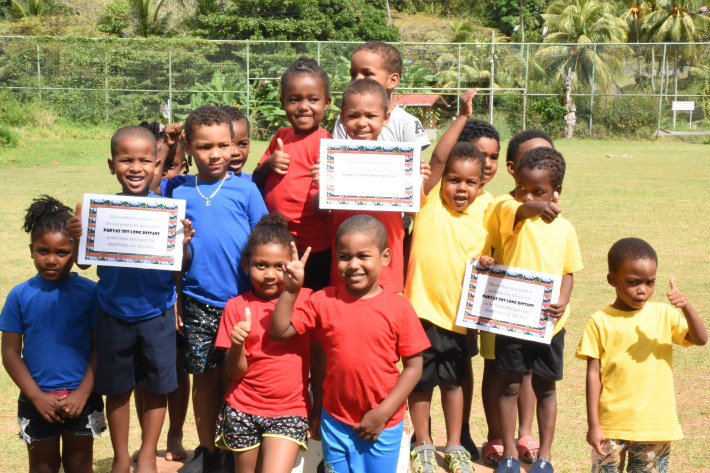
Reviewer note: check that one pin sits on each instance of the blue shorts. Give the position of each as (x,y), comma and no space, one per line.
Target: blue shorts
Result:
(132,354)
(345,452)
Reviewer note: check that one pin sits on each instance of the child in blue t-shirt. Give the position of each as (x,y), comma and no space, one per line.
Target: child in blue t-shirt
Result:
(48,329)
(223,209)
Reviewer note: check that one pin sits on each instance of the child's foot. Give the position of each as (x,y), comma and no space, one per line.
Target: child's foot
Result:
(458,460)
(175,451)
(541,466)
(509,465)
(120,466)
(468,443)
(134,457)
(493,452)
(527,448)
(424,459)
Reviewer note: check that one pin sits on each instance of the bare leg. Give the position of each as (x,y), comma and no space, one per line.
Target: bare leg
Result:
(508,391)
(546,413)
(489,396)
(178,402)
(77,453)
(153,419)
(245,462)
(278,455)
(44,456)
(206,400)
(118,414)
(138,399)
(452,404)
(419,406)
(526,410)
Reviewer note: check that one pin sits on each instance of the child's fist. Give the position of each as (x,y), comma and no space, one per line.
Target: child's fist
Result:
(241,331)
(597,439)
(279,160)
(466,109)
(173,133)
(74,228)
(315,173)
(424,171)
(676,297)
(551,210)
(371,425)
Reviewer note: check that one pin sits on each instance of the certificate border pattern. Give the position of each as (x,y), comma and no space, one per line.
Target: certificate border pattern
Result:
(405,202)
(117,257)
(511,328)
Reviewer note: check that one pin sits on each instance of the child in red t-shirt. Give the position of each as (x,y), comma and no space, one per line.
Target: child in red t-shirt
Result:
(265,410)
(365,330)
(284,169)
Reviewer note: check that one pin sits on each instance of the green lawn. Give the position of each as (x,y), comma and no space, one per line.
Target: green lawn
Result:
(660,194)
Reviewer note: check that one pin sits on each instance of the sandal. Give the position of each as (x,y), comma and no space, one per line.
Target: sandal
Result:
(524,445)
(509,465)
(457,459)
(494,447)
(541,466)
(424,459)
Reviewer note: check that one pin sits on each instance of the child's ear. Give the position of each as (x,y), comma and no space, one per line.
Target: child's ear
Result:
(387,118)
(245,264)
(32,245)
(611,279)
(392,81)
(111,167)
(558,189)
(386,257)
(328,102)
(510,165)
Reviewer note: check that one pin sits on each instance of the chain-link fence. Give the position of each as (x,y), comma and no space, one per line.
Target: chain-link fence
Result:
(619,89)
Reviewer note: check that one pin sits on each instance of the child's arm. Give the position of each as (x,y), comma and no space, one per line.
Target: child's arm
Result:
(46,403)
(75,229)
(557,309)
(172,138)
(595,434)
(547,211)
(281,328)
(697,334)
(318,363)
(73,404)
(277,162)
(235,358)
(374,420)
(448,140)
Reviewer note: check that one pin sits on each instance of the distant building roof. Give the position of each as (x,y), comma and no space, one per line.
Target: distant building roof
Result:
(418,100)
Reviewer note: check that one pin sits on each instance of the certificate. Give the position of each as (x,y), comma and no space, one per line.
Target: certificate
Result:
(370,175)
(132,232)
(509,301)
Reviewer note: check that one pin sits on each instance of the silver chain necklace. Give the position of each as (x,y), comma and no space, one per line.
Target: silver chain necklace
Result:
(207,199)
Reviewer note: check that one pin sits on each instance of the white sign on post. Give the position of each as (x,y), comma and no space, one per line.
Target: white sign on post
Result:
(685,106)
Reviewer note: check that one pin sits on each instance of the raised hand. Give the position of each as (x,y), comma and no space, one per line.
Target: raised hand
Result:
(424,171)
(676,297)
(279,161)
(74,228)
(294,271)
(550,212)
(173,133)
(466,108)
(240,332)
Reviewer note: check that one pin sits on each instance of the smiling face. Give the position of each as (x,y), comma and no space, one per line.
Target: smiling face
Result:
(369,65)
(133,164)
(364,116)
(534,184)
(359,262)
(634,282)
(53,256)
(304,99)
(240,146)
(491,149)
(461,183)
(211,148)
(265,269)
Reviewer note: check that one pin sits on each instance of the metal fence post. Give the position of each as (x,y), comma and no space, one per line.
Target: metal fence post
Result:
(247,82)
(490,104)
(458,85)
(660,92)
(318,52)
(39,75)
(106,78)
(525,92)
(170,82)
(591,98)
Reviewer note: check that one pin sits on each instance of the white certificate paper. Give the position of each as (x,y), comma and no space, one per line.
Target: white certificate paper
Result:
(509,301)
(370,175)
(132,232)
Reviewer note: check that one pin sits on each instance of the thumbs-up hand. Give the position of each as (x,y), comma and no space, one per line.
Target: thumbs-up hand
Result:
(676,297)
(241,331)
(315,172)
(279,160)
(74,228)
(551,210)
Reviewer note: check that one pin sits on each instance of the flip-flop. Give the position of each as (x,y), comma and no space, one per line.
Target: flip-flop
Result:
(509,465)
(524,445)
(541,466)
(489,448)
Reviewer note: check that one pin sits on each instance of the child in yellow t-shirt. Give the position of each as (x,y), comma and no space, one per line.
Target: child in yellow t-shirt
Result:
(534,237)
(629,351)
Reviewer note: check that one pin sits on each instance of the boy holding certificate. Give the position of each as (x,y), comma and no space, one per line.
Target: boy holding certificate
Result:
(534,237)
(629,351)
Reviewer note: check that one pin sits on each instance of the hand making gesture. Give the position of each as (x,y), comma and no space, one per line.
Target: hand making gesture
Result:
(294,271)
(280,160)
(240,332)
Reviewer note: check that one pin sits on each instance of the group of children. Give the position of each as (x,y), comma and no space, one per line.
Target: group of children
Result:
(277,295)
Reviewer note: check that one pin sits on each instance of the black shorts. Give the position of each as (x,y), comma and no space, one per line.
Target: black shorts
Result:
(514,356)
(200,325)
(34,428)
(317,270)
(239,431)
(446,359)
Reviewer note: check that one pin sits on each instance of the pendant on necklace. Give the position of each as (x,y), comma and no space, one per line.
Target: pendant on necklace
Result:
(207,202)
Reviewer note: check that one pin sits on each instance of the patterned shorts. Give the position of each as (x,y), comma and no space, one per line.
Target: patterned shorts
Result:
(238,431)
(643,457)
(201,322)
(34,428)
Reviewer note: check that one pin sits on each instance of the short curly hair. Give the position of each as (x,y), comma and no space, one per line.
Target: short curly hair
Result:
(546,159)
(629,249)
(521,138)
(271,228)
(365,87)
(465,151)
(236,115)
(305,65)
(474,129)
(206,115)
(133,132)
(391,58)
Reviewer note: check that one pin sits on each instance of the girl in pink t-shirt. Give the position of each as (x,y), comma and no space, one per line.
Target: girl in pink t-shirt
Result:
(267,406)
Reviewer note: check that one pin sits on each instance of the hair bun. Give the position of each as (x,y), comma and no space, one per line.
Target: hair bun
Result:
(273,219)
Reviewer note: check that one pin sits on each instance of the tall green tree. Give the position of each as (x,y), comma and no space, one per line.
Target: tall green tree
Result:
(147,19)
(633,15)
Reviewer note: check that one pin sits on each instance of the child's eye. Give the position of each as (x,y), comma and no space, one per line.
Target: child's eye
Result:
(651,283)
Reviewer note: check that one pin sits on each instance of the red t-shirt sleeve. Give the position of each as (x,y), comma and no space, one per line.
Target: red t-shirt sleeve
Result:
(230,318)
(411,338)
(305,315)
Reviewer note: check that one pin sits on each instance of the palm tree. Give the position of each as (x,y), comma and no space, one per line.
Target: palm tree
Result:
(633,16)
(148,21)
(27,8)
(677,21)
(576,25)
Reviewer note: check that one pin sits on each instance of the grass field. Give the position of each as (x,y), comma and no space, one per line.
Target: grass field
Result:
(661,194)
